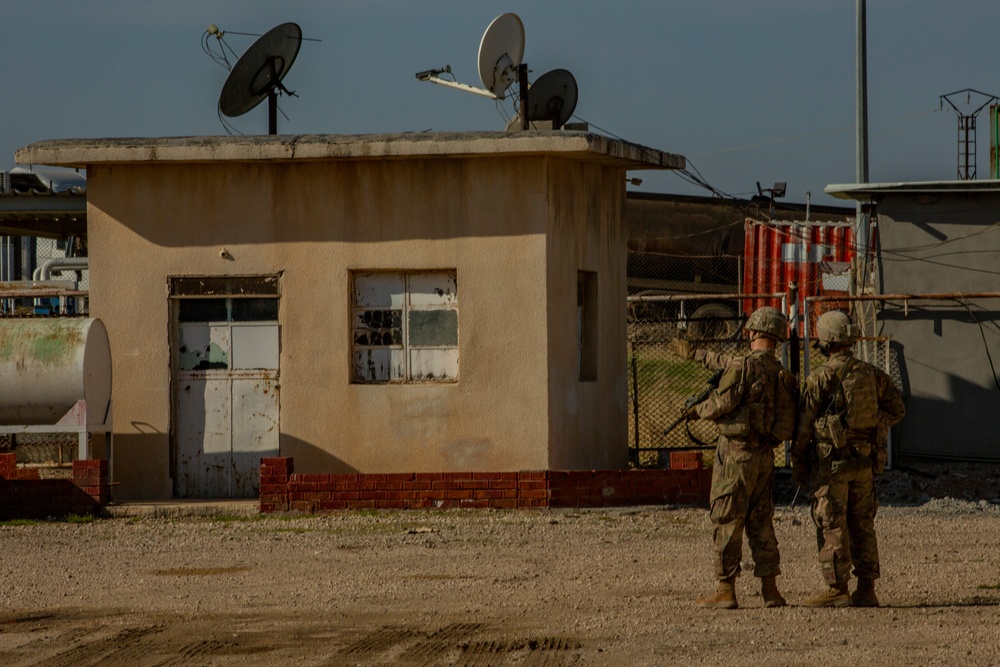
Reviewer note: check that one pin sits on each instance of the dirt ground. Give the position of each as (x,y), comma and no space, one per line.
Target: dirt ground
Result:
(479,587)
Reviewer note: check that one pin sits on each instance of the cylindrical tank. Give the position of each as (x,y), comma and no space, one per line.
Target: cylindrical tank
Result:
(48,365)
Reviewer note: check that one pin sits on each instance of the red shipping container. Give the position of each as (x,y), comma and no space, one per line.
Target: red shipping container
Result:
(814,255)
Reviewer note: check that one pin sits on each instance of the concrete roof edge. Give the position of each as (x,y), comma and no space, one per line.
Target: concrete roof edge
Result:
(582,145)
(864,191)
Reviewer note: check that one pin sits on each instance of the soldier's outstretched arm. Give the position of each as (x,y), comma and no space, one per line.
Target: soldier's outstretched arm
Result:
(712,360)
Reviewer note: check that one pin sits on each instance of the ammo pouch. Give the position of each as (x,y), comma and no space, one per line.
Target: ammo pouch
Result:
(736,424)
(831,428)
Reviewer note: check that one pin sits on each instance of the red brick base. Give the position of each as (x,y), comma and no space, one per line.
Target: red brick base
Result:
(24,496)
(283,490)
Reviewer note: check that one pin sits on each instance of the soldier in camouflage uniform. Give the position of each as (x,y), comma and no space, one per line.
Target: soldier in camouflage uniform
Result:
(846,409)
(742,476)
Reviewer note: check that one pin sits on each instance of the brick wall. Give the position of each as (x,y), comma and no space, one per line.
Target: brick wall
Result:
(281,489)
(23,495)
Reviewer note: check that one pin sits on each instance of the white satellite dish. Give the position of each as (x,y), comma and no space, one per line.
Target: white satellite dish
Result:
(500,53)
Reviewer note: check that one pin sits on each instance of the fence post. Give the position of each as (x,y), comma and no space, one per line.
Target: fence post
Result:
(635,402)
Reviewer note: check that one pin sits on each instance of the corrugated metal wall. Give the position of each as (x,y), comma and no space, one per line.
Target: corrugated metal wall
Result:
(814,255)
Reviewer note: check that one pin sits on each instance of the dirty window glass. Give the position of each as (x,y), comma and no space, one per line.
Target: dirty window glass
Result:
(433,328)
(255,310)
(405,326)
(203,310)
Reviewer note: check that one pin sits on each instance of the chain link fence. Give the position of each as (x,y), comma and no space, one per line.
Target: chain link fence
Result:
(662,377)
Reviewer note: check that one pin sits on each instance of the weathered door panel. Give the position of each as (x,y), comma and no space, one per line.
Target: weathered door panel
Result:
(255,431)
(204,416)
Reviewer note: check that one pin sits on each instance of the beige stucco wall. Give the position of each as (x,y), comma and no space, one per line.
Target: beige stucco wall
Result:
(518,405)
(587,418)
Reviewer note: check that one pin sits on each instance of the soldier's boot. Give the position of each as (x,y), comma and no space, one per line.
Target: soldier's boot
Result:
(864,595)
(723,598)
(769,591)
(834,596)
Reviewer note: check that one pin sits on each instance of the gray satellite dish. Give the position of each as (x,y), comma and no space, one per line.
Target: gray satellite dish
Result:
(553,97)
(259,71)
(500,53)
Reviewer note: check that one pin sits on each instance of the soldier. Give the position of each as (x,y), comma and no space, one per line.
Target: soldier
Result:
(743,406)
(846,409)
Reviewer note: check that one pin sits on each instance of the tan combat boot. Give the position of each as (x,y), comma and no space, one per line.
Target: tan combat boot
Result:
(864,595)
(723,598)
(769,591)
(834,596)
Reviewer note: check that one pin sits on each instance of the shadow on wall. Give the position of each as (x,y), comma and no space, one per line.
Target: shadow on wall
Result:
(948,368)
(310,458)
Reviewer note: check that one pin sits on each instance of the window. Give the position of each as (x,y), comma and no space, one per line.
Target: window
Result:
(222,334)
(586,323)
(405,327)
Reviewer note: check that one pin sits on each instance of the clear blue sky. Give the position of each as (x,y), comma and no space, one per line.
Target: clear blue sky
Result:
(748,91)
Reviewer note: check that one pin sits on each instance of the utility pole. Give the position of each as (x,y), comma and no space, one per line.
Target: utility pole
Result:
(861,231)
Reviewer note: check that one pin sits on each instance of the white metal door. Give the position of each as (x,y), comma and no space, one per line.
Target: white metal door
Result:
(227,406)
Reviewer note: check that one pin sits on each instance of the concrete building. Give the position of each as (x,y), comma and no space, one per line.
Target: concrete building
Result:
(385,303)
(941,238)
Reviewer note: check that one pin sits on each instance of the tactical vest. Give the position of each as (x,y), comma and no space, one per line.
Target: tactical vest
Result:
(855,408)
(769,404)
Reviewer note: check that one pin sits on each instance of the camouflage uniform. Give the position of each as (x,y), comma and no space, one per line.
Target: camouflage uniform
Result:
(742,477)
(844,501)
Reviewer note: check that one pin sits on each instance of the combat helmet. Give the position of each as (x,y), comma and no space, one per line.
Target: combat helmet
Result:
(769,322)
(835,328)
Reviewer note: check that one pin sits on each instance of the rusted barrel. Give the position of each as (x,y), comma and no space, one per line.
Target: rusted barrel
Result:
(48,365)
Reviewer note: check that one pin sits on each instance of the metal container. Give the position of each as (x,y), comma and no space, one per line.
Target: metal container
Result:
(814,255)
(47,366)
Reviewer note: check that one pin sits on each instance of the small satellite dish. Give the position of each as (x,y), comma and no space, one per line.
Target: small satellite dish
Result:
(500,53)
(553,97)
(259,71)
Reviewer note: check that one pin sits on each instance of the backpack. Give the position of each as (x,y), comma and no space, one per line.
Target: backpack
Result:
(786,406)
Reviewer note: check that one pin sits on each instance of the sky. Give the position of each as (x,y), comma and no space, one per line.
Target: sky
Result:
(746,91)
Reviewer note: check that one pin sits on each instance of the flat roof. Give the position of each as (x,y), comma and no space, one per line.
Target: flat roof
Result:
(869,191)
(317,147)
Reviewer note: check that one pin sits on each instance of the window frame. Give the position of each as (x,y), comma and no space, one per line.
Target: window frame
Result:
(405,347)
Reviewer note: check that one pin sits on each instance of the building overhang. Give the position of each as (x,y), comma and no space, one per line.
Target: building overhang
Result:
(43,214)
(873,192)
(582,146)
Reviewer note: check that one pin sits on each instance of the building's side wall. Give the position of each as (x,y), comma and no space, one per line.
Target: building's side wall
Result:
(951,355)
(588,420)
(315,223)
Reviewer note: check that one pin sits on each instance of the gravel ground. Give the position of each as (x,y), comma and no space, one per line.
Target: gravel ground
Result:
(481,587)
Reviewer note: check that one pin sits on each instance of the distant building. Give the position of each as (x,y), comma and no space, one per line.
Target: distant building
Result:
(941,238)
(387,303)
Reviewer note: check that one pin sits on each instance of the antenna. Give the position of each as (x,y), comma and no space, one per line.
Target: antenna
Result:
(259,72)
(967,131)
(500,53)
(553,97)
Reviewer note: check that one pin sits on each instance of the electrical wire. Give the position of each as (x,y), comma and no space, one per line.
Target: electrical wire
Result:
(982,334)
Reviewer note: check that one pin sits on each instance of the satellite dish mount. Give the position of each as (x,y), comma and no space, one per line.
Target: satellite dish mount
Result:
(500,52)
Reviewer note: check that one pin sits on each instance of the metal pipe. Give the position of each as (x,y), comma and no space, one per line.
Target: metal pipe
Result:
(936,296)
(59,264)
(703,297)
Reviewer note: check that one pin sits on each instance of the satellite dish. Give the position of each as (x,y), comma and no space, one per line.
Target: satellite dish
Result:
(553,97)
(259,71)
(500,53)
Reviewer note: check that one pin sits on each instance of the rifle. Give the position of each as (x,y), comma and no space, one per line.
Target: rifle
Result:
(711,383)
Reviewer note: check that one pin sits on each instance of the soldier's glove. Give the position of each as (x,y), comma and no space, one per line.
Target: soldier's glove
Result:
(681,348)
(690,404)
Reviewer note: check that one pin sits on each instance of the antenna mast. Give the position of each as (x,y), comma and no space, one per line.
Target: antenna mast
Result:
(967,130)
